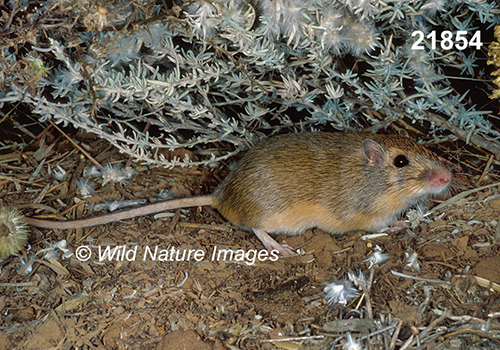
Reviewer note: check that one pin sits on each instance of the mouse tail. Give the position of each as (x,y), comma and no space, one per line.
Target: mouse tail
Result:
(125,214)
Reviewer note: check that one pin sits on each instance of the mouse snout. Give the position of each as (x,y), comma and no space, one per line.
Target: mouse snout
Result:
(438,178)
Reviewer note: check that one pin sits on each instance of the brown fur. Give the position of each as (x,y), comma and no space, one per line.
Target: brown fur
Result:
(296,181)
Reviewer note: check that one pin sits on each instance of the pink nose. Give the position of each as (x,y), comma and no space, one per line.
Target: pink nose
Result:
(445,177)
(439,177)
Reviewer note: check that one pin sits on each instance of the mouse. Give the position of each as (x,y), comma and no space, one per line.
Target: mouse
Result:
(337,182)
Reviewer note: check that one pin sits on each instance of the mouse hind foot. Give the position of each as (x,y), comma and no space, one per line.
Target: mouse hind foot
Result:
(271,244)
(394,227)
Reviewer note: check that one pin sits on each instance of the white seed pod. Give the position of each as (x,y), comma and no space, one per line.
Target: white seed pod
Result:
(13,231)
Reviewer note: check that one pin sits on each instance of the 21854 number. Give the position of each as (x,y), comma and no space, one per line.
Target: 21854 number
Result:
(448,41)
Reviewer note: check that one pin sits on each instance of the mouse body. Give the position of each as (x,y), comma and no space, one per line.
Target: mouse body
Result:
(338,182)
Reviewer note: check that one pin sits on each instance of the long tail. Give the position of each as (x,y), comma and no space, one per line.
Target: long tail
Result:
(125,214)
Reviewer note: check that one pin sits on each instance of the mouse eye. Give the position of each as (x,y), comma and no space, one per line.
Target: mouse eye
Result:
(401,161)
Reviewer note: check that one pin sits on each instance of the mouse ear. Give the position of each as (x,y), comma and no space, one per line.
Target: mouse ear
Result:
(373,151)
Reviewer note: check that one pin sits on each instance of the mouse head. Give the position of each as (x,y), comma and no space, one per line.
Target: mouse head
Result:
(407,165)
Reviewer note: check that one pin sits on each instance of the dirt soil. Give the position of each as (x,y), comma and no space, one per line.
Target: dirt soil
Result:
(165,289)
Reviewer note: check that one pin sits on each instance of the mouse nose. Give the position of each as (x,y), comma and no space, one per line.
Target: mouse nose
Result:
(439,178)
